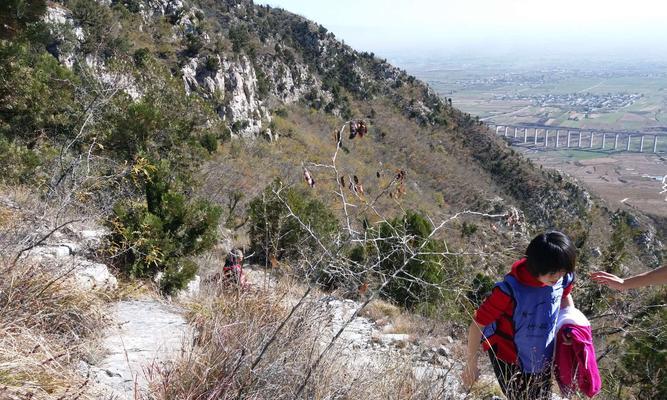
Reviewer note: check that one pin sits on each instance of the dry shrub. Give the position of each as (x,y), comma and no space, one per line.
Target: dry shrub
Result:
(380,310)
(6,216)
(231,330)
(45,323)
(37,299)
(488,389)
(388,376)
(257,345)
(37,367)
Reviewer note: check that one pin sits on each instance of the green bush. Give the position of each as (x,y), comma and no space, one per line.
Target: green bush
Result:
(19,164)
(193,44)
(140,123)
(36,95)
(212,63)
(100,33)
(210,142)
(165,122)
(159,235)
(133,6)
(16,15)
(467,229)
(482,285)
(225,134)
(645,353)
(239,125)
(240,38)
(263,83)
(141,56)
(416,264)
(274,232)
(281,112)
(617,252)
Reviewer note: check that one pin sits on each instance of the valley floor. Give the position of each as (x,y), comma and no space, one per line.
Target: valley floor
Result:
(623,181)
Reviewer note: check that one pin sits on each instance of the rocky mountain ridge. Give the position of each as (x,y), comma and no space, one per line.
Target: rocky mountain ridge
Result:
(233,80)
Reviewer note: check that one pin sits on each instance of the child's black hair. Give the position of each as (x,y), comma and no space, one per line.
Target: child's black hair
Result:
(550,252)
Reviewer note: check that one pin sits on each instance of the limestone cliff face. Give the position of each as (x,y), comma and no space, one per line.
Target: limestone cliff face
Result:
(294,59)
(289,83)
(288,62)
(174,8)
(234,86)
(230,82)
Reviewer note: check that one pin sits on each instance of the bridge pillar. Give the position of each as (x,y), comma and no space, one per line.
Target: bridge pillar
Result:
(546,138)
(579,144)
(536,132)
(557,136)
(525,135)
(592,137)
(629,140)
(641,144)
(515,132)
(616,141)
(604,139)
(655,143)
(569,138)
(497,129)
(507,128)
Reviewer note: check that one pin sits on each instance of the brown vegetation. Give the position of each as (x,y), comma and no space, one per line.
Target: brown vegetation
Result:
(262,345)
(45,326)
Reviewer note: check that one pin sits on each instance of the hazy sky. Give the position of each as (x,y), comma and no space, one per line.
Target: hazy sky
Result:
(614,27)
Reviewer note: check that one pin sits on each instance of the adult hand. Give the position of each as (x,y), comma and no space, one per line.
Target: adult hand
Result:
(469,375)
(608,279)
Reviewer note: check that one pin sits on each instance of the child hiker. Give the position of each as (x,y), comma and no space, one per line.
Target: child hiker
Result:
(517,322)
(233,269)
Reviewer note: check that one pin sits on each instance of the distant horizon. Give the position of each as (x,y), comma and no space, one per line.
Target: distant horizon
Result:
(482,28)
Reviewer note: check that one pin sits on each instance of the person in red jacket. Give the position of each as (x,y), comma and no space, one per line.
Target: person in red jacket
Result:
(233,269)
(517,322)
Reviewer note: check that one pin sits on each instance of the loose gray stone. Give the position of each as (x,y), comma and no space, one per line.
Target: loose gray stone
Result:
(443,351)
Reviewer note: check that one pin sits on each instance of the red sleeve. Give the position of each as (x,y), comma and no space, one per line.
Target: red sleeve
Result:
(568,289)
(493,307)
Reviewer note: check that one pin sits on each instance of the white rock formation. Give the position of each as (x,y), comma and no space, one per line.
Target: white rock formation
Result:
(86,274)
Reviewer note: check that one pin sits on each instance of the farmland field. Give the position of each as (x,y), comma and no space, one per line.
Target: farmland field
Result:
(623,181)
(617,97)
(586,95)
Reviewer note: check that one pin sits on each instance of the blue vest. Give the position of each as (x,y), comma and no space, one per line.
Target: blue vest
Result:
(534,319)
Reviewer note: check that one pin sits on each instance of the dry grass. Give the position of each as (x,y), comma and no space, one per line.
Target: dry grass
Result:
(253,345)
(232,328)
(129,289)
(380,310)
(7,217)
(45,326)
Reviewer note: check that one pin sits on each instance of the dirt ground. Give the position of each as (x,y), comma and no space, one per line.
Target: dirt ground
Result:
(623,180)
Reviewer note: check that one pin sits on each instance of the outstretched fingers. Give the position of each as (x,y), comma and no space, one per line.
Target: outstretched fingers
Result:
(607,279)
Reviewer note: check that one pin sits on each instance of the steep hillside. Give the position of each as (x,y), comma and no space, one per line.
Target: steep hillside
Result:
(244,63)
(173,122)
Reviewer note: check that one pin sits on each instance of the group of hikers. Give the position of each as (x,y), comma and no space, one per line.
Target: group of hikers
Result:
(529,325)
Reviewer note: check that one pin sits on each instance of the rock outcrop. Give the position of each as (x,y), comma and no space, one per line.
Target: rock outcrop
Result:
(66,252)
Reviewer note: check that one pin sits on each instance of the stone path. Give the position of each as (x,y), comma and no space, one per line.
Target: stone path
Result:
(144,332)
